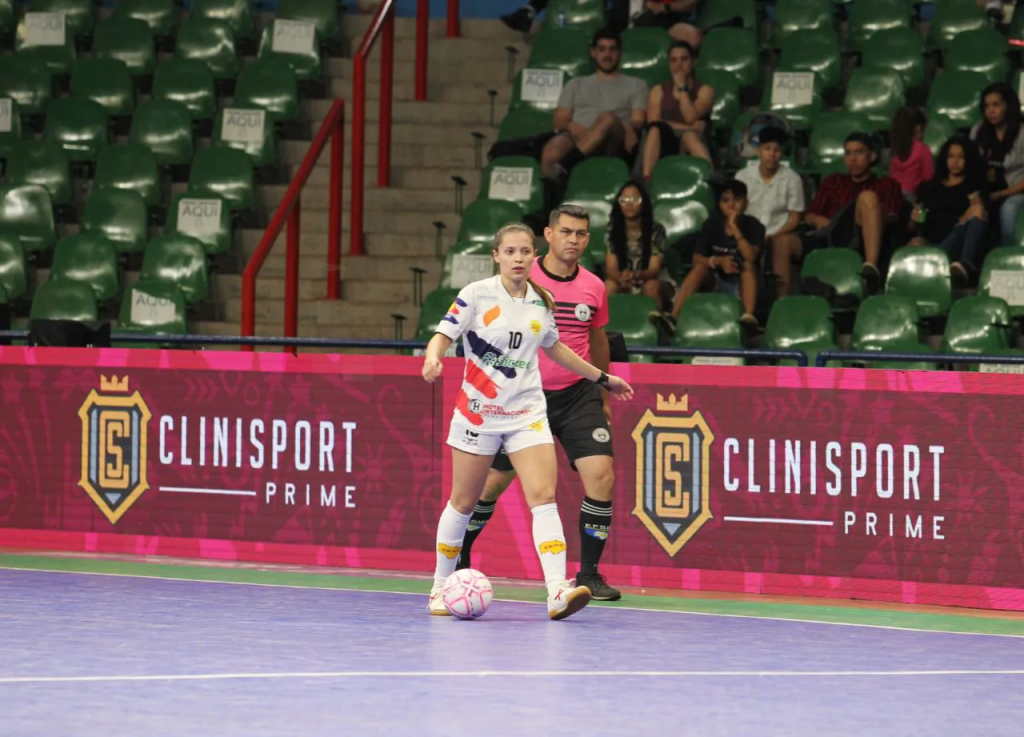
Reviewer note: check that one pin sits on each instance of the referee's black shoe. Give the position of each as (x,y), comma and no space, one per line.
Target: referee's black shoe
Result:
(598,585)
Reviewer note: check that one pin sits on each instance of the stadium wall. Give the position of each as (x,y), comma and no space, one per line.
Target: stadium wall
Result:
(884,485)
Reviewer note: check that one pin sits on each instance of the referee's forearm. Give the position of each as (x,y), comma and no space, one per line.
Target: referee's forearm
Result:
(600,351)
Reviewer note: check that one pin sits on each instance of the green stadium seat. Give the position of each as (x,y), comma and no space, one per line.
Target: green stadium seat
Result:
(269,84)
(952,18)
(64,300)
(130,166)
(43,164)
(837,272)
(465,263)
(90,259)
(586,15)
(209,41)
(118,214)
(516,179)
(977,324)
(129,40)
(203,216)
(567,49)
(153,308)
(813,51)
(896,50)
(284,41)
(875,93)
(939,130)
(482,218)
(79,15)
(79,126)
(180,260)
(525,123)
(783,96)
(1002,275)
(434,308)
(795,16)
(955,96)
(13,277)
(542,88)
(28,210)
(889,324)
(645,54)
(323,13)
(681,218)
(10,126)
(982,51)
(105,81)
(248,129)
(723,11)
(236,13)
(593,185)
(709,321)
(868,17)
(727,97)
(922,274)
(35,38)
(801,323)
(189,82)
(682,178)
(1015,31)
(629,314)
(732,50)
(160,15)
(226,172)
(26,79)
(8,22)
(826,152)
(165,127)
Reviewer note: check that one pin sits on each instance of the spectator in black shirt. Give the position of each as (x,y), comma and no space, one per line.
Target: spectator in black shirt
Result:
(728,247)
(951,210)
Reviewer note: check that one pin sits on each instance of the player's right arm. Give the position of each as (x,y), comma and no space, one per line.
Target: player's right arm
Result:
(432,364)
(452,325)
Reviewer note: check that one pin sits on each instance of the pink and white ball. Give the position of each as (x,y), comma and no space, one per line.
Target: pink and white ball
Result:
(467,594)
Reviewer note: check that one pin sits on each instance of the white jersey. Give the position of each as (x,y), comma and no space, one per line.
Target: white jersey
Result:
(501,389)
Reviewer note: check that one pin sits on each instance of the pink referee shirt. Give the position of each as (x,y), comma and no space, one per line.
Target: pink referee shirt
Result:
(580,304)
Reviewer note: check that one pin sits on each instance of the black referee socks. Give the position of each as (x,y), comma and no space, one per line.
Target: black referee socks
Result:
(595,521)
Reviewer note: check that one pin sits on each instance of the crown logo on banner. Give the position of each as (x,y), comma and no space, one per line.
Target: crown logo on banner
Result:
(114,384)
(673,404)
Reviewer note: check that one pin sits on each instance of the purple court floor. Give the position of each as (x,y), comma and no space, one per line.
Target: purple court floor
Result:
(99,656)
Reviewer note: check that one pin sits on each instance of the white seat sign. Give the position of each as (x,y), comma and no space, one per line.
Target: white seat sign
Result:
(792,89)
(541,86)
(510,183)
(45,29)
(199,217)
(468,268)
(293,36)
(150,310)
(1008,285)
(5,115)
(243,126)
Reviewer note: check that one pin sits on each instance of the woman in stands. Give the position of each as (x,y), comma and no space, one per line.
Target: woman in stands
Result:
(678,112)
(911,163)
(505,321)
(951,209)
(1001,139)
(635,246)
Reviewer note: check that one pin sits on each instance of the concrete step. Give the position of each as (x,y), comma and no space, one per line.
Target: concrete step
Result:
(386,292)
(439,89)
(410,111)
(404,176)
(459,154)
(315,198)
(409,133)
(403,225)
(447,64)
(354,25)
(273,330)
(358,268)
(320,313)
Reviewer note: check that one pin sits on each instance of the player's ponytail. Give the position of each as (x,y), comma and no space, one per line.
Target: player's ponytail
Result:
(504,230)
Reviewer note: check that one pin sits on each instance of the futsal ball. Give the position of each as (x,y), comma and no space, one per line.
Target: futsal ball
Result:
(467,594)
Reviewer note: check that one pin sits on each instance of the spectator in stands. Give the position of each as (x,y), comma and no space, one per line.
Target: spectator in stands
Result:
(951,210)
(522,18)
(678,112)
(636,248)
(775,192)
(671,15)
(911,162)
(728,247)
(851,207)
(1001,139)
(601,113)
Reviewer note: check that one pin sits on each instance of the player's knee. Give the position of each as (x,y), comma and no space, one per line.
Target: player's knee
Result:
(495,486)
(536,496)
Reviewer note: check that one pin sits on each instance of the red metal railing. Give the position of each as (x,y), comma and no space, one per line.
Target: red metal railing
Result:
(290,212)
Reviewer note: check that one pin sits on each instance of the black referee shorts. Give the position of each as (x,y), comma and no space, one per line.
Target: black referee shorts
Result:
(576,418)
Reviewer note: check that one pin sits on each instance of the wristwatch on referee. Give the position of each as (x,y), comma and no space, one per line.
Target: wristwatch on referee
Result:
(604,382)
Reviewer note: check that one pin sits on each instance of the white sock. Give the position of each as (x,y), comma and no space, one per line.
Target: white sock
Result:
(549,540)
(451,529)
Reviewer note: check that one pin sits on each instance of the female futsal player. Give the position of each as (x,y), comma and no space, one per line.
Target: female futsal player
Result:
(505,321)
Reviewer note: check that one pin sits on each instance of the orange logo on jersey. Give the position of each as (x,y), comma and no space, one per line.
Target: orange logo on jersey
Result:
(450,551)
(552,546)
(491,315)
(535,326)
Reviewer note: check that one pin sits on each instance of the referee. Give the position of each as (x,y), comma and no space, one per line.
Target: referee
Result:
(578,411)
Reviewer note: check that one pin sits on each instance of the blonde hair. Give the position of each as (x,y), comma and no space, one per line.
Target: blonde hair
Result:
(505,230)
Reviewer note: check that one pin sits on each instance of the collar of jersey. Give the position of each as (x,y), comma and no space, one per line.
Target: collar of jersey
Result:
(572,276)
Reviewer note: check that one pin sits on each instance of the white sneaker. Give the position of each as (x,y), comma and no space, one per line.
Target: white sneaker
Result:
(567,600)
(436,605)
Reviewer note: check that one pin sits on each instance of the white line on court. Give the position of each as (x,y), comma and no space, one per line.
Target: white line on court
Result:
(781,521)
(512,674)
(222,492)
(792,620)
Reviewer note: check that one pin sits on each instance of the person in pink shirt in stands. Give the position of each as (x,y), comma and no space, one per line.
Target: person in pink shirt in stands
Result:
(911,164)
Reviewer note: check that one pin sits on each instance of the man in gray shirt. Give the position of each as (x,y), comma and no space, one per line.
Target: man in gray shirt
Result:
(600,114)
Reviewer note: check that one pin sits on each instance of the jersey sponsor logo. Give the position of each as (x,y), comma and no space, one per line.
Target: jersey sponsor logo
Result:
(470,438)
(453,311)
(114,447)
(552,546)
(673,450)
(601,435)
(583,313)
(496,410)
(535,326)
(451,552)
(597,531)
(475,405)
(493,360)
(538,425)
(491,315)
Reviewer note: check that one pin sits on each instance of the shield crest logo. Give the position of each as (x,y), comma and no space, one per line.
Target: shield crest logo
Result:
(673,480)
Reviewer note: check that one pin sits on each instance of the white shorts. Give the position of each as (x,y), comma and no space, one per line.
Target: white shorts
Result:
(465,438)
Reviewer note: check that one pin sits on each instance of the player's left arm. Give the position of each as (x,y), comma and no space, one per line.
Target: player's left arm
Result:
(567,358)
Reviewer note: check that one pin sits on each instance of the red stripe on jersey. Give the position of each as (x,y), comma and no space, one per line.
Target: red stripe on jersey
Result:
(480,380)
(462,404)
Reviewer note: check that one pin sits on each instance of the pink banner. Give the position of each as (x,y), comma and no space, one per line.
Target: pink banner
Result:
(886,485)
